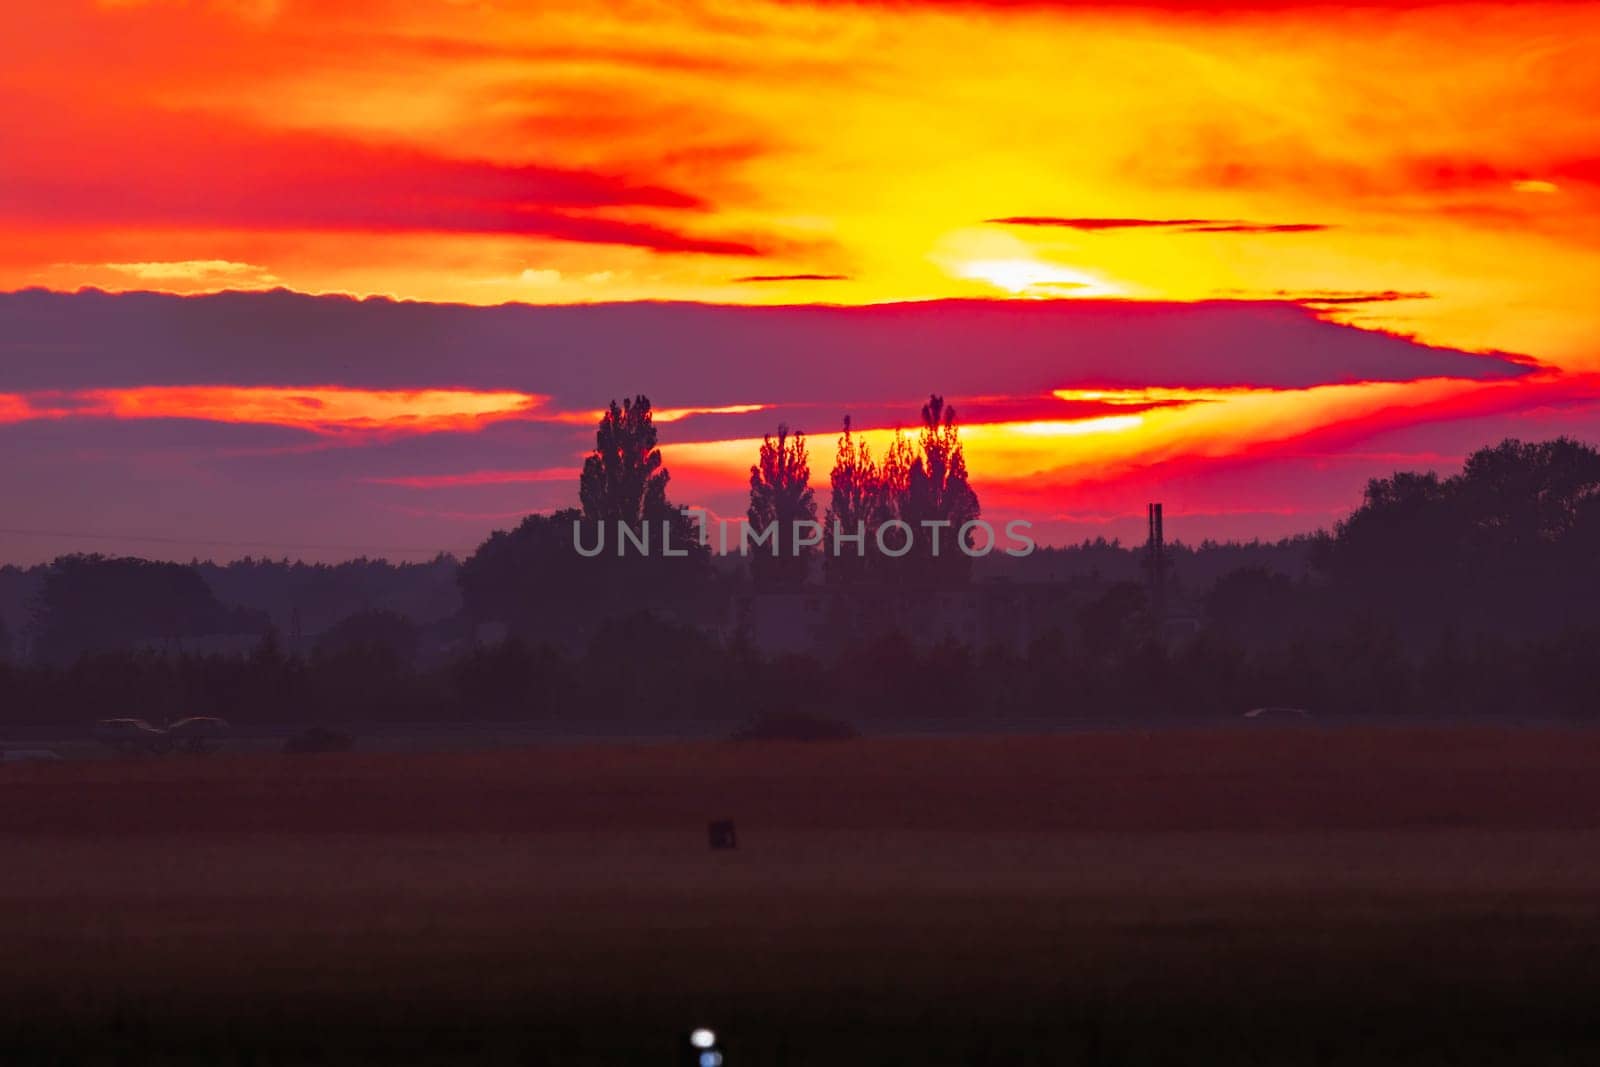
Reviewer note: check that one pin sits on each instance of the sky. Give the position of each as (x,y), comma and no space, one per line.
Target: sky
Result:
(1238,257)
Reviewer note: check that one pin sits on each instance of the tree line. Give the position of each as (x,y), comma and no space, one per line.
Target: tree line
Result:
(886,505)
(1100,662)
(1468,593)
(885,516)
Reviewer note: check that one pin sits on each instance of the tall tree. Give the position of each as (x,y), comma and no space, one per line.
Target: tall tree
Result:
(889,505)
(852,509)
(623,479)
(925,483)
(780,497)
(534,579)
(938,493)
(894,478)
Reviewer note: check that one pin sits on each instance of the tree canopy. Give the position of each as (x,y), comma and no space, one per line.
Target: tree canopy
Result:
(534,580)
(1511,541)
(89,603)
(780,497)
(623,479)
(926,487)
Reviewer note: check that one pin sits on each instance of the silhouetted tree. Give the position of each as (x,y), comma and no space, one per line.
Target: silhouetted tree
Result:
(938,499)
(852,509)
(888,505)
(383,635)
(623,479)
(318,595)
(535,581)
(649,669)
(514,680)
(1529,495)
(924,487)
(531,579)
(1255,606)
(780,496)
(99,603)
(1511,543)
(1114,623)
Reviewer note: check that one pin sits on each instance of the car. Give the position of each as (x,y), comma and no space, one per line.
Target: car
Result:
(1277,713)
(132,736)
(198,734)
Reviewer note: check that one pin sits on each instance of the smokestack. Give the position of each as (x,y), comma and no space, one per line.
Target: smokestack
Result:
(1155,561)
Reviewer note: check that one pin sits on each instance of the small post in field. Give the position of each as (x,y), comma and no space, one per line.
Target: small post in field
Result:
(721,834)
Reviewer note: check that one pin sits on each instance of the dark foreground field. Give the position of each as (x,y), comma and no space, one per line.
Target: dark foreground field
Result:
(1274,897)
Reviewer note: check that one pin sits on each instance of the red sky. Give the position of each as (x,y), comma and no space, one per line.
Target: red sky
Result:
(1201,191)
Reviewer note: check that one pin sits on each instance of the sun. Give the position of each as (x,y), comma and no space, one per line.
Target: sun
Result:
(1035,278)
(1005,263)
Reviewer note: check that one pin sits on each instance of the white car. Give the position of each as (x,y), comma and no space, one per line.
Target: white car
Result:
(198,734)
(1277,713)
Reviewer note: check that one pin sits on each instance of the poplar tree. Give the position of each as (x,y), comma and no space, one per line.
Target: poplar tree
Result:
(852,509)
(780,496)
(623,479)
(937,491)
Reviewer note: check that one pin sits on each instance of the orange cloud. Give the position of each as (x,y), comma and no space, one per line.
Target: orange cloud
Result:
(326,409)
(475,478)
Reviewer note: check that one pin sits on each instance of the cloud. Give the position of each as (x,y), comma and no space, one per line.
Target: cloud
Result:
(1257,227)
(315,408)
(249,10)
(222,271)
(1198,8)
(195,171)
(475,478)
(1093,223)
(1446,173)
(793,278)
(1222,160)
(1096,224)
(1335,297)
(694,355)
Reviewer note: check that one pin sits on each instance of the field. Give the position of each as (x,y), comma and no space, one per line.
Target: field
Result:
(1275,896)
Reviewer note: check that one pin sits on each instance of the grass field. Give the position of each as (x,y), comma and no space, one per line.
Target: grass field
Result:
(1281,896)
